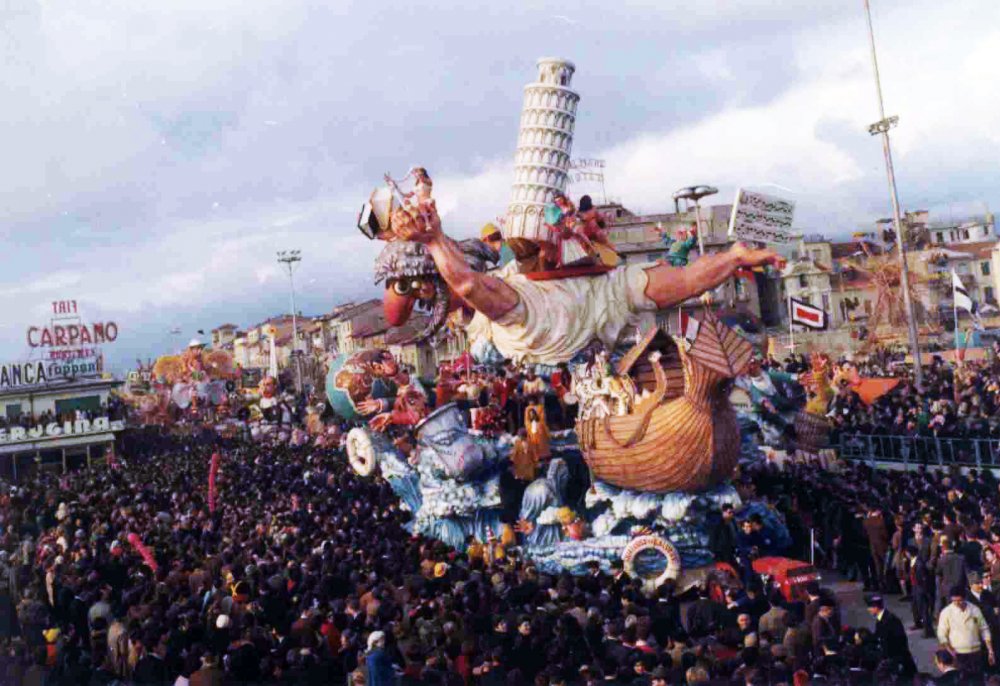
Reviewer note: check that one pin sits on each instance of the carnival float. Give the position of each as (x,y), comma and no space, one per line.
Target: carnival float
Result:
(656,443)
(194,384)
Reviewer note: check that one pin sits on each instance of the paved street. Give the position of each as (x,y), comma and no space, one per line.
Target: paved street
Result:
(852,603)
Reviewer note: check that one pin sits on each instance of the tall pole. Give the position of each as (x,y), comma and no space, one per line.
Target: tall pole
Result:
(697,219)
(882,127)
(290,258)
(791,325)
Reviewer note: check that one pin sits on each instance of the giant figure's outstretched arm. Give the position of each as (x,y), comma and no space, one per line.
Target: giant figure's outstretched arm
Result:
(486,294)
(492,297)
(669,286)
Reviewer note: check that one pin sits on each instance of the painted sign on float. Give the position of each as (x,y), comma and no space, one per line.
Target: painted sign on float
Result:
(80,427)
(760,218)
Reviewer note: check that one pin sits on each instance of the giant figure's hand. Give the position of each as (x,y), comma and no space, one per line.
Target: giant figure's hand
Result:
(418,222)
(668,286)
(747,256)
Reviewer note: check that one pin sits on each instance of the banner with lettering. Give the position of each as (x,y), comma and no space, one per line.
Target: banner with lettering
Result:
(760,218)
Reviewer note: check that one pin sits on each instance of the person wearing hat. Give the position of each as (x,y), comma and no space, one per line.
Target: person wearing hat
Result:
(983,598)
(891,636)
(963,630)
(493,237)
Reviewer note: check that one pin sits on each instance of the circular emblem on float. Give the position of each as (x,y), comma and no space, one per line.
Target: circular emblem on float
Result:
(361,452)
(640,560)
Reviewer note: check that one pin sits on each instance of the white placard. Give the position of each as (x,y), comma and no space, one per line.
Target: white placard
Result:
(761,218)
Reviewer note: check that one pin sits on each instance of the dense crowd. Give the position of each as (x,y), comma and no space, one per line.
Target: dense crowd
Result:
(305,574)
(299,571)
(960,403)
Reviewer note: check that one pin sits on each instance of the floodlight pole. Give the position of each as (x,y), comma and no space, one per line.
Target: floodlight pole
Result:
(882,127)
(289,258)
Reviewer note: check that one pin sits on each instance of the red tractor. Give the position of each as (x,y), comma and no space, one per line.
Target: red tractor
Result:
(787,575)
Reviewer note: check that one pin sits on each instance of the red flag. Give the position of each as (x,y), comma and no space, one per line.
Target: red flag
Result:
(213,470)
(689,327)
(144,552)
(807,315)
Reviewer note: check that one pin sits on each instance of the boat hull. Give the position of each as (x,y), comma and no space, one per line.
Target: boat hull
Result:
(686,446)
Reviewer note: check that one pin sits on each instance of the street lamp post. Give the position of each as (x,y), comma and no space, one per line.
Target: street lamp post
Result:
(289,258)
(882,127)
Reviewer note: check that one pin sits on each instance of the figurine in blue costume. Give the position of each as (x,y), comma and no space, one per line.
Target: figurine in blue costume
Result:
(678,248)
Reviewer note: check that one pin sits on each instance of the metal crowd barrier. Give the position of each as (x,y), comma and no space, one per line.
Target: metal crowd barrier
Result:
(920,450)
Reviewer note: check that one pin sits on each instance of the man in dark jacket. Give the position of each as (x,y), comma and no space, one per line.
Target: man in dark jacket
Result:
(950,571)
(724,536)
(891,637)
(704,616)
(151,669)
(923,582)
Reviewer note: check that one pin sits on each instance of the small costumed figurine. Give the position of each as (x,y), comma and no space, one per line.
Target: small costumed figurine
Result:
(523,458)
(592,227)
(678,248)
(571,248)
(537,432)
(573,526)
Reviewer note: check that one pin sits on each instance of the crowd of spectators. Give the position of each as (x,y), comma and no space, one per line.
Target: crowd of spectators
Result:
(954,402)
(304,574)
(113,409)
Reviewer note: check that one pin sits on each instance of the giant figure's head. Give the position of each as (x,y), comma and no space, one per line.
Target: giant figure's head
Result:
(444,439)
(412,280)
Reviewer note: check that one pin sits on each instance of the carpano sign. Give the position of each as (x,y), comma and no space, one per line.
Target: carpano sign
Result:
(81,427)
(71,335)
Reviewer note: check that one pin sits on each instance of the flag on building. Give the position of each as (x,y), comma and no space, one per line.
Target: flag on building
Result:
(962,299)
(689,327)
(807,315)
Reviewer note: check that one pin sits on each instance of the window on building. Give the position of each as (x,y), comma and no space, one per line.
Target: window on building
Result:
(985,266)
(12,410)
(826,302)
(87,403)
(803,281)
(965,234)
(988,294)
(986,231)
(939,237)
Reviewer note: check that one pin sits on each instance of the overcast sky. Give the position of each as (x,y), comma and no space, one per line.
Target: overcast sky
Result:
(156,155)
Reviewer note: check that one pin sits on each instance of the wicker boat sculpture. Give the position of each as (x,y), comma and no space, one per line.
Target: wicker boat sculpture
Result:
(682,433)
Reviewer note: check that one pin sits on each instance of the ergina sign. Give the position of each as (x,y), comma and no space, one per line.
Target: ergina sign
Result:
(80,427)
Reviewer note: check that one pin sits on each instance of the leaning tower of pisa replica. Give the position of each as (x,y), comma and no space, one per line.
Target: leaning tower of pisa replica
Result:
(544,143)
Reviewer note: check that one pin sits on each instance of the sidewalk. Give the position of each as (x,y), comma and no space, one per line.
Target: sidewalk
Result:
(854,613)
